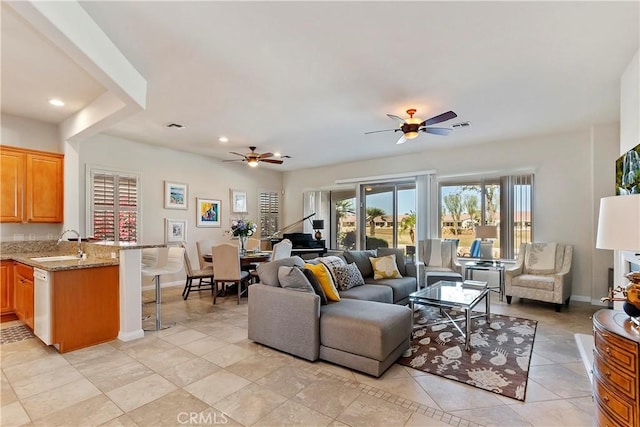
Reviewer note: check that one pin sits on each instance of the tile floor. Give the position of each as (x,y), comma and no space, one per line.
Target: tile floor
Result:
(204,371)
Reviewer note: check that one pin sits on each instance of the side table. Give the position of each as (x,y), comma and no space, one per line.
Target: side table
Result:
(498,266)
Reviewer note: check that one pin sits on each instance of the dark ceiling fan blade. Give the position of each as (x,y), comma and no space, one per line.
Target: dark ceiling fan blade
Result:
(235,160)
(377,131)
(265,155)
(437,131)
(402,139)
(397,118)
(237,154)
(439,118)
(277,162)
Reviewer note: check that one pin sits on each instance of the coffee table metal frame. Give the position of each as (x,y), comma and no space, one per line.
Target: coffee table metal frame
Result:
(462,296)
(498,266)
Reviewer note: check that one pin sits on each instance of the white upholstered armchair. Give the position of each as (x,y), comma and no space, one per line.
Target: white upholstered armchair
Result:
(439,255)
(542,272)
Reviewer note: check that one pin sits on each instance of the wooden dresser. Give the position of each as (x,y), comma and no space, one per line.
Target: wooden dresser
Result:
(616,369)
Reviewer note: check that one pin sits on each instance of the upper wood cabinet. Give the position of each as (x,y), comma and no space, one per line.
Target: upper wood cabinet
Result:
(31,185)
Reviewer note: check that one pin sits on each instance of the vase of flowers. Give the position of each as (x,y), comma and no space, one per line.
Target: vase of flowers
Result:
(242,229)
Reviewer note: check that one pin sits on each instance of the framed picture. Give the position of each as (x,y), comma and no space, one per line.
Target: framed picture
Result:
(239,201)
(175,230)
(628,172)
(208,213)
(175,195)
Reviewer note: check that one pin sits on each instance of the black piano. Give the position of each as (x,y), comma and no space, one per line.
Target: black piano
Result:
(303,243)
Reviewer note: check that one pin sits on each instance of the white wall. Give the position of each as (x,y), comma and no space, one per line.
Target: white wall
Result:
(630,105)
(566,165)
(206,177)
(36,135)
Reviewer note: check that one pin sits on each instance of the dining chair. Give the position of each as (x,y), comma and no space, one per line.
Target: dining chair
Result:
(169,261)
(226,268)
(204,247)
(282,250)
(204,277)
(253,244)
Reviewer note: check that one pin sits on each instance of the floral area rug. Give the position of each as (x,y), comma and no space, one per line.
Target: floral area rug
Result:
(498,360)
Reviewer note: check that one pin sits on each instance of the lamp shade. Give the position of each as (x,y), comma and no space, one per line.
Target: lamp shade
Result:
(619,223)
(318,224)
(486,231)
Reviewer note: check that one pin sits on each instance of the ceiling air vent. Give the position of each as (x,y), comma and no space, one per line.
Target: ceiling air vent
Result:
(461,125)
(174,126)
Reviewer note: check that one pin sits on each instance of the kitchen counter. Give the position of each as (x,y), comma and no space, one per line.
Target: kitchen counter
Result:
(74,264)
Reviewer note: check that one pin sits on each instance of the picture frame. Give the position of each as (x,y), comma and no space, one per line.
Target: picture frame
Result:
(239,201)
(208,212)
(175,230)
(176,195)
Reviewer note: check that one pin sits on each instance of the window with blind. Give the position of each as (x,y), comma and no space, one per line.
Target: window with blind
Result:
(269,213)
(114,206)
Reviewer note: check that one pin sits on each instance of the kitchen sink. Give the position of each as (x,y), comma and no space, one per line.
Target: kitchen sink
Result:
(55,258)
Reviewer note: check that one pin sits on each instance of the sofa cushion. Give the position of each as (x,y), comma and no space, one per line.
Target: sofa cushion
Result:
(347,277)
(365,328)
(385,267)
(361,259)
(317,287)
(268,271)
(399,253)
(401,287)
(293,278)
(324,277)
(378,293)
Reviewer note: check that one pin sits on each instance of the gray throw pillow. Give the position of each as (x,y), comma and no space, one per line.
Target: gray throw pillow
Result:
(348,276)
(293,278)
(268,271)
(317,287)
(361,259)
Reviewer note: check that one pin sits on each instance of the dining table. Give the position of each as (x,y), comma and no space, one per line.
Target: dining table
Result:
(247,258)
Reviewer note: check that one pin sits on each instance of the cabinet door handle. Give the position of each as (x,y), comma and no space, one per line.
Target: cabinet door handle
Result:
(605,398)
(608,350)
(608,373)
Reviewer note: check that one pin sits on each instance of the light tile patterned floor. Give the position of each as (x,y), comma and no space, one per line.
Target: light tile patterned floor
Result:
(205,371)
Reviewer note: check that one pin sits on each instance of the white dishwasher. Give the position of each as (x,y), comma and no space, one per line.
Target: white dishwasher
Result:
(42,305)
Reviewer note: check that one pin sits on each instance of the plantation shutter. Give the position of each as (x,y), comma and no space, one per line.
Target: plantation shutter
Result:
(114,206)
(269,213)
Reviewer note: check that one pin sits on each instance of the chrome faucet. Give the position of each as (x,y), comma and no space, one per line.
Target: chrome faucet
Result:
(80,253)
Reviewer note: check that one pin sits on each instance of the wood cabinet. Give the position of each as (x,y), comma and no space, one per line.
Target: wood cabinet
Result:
(23,293)
(85,307)
(31,185)
(616,369)
(6,287)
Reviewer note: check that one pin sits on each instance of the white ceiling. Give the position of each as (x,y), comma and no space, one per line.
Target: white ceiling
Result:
(309,78)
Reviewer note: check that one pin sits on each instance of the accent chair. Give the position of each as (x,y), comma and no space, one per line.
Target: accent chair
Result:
(542,272)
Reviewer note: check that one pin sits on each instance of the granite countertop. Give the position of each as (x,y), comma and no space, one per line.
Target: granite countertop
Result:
(74,264)
(99,254)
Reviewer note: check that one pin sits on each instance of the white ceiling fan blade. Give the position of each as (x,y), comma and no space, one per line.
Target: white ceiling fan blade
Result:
(437,131)
(397,118)
(402,140)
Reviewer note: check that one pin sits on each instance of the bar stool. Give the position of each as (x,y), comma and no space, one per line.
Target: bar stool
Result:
(169,261)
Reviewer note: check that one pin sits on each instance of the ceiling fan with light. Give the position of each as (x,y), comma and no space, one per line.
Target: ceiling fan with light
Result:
(411,126)
(254,158)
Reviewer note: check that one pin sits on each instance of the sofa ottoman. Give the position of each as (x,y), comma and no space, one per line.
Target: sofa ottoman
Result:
(364,335)
(431,277)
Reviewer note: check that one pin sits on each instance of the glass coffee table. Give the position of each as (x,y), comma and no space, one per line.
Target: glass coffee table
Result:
(460,295)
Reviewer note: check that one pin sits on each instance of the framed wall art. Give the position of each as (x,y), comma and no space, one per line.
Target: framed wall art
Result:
(175,195)
(175,230)
(238,201)
(208,212)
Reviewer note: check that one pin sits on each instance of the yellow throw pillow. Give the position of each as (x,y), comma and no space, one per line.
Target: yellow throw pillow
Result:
(385,267)
(324,277)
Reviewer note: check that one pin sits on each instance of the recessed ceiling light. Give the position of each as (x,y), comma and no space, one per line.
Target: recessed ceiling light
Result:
(56,102)
(223,139)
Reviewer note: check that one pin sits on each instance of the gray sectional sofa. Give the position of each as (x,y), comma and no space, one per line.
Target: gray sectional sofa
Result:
(364,331)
